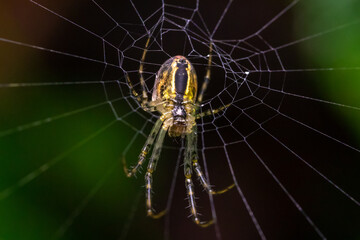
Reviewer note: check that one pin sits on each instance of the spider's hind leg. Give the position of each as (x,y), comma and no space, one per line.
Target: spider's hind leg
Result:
(143,98)
(207,76)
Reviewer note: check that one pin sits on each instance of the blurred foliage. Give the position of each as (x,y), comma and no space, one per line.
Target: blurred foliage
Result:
(337,46)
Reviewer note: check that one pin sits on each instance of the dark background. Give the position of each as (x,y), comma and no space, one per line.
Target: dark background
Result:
(62,176)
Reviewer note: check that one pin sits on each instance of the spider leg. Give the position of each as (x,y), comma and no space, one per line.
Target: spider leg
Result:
(204,87)
(211,112)
(207,76)
(197,168)
(190,149)
(191,196)
(143,98)
(205,183)
(141,68)
(146,148)
(148,176)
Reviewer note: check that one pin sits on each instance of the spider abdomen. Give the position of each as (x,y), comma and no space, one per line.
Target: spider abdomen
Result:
(176,79)
(174,95)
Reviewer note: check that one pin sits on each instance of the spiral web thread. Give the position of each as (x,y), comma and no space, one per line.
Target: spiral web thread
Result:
(254,80)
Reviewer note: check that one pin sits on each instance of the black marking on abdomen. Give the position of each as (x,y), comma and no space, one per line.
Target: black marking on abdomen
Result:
(181,79)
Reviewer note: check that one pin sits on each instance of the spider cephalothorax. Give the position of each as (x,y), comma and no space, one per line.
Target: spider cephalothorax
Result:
(174,97)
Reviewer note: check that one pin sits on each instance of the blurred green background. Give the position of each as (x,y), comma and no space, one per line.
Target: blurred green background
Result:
(76,188)
(336,47)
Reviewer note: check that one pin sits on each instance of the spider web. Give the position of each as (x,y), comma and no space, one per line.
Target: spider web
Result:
(70,117)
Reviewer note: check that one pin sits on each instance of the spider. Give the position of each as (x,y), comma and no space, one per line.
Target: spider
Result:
(174,97)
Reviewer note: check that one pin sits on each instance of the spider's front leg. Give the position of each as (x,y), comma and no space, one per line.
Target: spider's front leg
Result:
(148,176)
(196,166)
(189,153)
(144,151)
(205,183)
